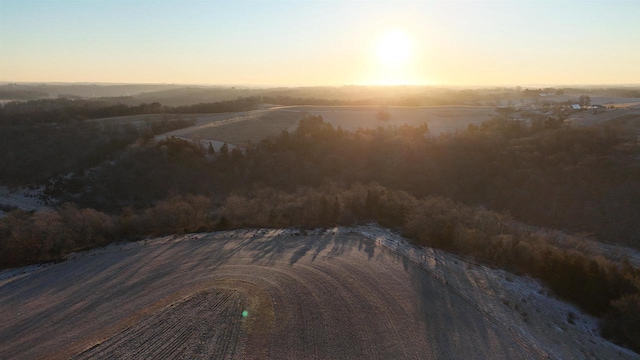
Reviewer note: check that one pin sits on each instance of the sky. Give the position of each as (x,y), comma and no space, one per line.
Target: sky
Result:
(314,43)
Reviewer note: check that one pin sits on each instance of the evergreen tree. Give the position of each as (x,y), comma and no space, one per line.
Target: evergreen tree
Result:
(224,150)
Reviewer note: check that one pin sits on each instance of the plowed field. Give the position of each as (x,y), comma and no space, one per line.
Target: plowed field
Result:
(331,296)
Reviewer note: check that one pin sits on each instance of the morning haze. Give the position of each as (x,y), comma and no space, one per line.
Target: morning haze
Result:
(319,179)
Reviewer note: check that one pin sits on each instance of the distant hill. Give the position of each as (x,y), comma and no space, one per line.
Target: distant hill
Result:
(15,91)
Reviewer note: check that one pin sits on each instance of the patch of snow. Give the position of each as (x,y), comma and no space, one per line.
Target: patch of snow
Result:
(8,275)
(22,198)
(517,303)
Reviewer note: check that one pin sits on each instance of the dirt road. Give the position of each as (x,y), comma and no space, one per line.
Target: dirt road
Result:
(306,297)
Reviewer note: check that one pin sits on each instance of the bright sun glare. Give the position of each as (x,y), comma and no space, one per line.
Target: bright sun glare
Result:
(394,48)
(394,56)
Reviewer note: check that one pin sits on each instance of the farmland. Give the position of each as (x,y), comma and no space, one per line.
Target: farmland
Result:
(587,118)
(253,126)
(182,295)
(357,293)
(439,118)
(239,128)
(319,180)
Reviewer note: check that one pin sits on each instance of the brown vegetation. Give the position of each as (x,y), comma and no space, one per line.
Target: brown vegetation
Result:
(49,235)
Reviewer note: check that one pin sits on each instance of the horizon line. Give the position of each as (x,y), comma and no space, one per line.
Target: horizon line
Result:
(273,86)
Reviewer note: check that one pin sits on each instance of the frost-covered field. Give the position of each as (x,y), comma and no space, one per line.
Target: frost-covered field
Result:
(519,303)
(439,118)
(353,292)
(254,126)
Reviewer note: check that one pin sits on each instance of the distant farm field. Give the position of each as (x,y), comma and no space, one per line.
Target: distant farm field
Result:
(588,118)
(439,118)
(254,126)
(254,129)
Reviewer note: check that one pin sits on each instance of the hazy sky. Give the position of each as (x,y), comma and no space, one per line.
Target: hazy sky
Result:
(321,42)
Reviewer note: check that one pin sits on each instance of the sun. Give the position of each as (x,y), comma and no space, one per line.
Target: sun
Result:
(393,61)
(394,49)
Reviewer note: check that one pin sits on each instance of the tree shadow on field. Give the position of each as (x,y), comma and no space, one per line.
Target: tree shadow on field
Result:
(267,249)
(341,244)
(368,246)
(84,289)
(300,253)
(452,317)
(223,246)
(318,245)
(87,284)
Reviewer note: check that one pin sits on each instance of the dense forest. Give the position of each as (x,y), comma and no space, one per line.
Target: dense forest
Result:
(469,192)
(577,179)
(42,139)
(63,110)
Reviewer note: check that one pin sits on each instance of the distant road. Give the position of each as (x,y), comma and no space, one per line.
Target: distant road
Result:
(306,297)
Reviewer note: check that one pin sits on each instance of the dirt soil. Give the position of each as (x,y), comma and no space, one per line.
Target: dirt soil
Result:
(344,293)
(204,325)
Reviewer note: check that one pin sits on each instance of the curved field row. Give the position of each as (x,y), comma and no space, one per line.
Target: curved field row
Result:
(207,325)
(338,296)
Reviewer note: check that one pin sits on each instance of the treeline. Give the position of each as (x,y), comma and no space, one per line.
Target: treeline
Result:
(50,235)
(17,94)
(602,287)
(461,98)
(544,173)
(48,153)
(240,104)
(148,173)
(631,92)
(46,140)
(289,101)
(401,101)
(63,110)
(35,154)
